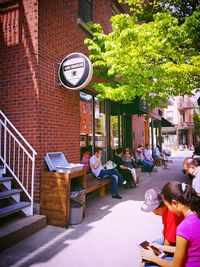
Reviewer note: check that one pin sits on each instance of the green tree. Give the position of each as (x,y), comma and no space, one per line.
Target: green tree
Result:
(178,8)
(152,60)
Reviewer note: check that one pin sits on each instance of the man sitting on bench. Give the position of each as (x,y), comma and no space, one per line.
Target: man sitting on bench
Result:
(101,173)
(158,156)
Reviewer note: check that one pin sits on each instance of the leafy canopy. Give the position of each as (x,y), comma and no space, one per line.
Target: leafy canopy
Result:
(152,60)
(178,8)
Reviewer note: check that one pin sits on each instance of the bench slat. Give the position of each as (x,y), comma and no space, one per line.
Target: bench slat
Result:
(92,184)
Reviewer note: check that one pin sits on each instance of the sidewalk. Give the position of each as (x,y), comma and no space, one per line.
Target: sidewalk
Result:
(108,234)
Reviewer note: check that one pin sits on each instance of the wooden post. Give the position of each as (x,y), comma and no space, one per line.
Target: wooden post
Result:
(55,196)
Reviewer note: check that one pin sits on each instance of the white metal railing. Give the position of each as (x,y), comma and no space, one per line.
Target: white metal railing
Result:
(18,156)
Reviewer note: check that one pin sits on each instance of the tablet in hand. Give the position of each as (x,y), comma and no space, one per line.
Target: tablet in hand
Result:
(145,244)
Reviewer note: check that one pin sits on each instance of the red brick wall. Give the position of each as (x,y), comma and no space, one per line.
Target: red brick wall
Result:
(19,72)
(102,13)
(34,39)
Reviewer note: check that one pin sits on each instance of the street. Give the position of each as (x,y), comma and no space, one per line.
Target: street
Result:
(109,233)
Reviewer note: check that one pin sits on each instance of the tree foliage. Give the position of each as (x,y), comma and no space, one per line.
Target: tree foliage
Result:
(178,8)
(152,60)
(196,119)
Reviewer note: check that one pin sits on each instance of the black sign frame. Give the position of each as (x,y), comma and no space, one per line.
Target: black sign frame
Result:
(81,62)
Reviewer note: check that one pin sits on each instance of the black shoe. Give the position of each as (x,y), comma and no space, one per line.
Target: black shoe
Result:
(116,196)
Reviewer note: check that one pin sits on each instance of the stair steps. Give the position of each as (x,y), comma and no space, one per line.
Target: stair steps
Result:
(11,193)
(13,203)
(13,208)
(6,181)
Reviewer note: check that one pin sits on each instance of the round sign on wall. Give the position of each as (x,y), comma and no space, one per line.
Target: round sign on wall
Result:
(75,71)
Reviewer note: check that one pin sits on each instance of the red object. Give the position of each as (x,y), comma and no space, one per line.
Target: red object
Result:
(170,222)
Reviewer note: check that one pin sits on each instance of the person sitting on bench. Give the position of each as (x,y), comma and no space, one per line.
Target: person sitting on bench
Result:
(158,156)
(130,162)
(122,169)
(148,160)
(101,173)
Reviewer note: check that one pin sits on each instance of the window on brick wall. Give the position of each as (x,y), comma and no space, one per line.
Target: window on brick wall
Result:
(182,117)
(92,127)
(169,116)
(115,9)
(85,10)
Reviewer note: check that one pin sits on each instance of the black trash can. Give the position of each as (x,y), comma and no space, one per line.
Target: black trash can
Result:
(77,204)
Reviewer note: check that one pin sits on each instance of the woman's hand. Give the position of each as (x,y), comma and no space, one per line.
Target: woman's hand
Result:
(148,254)
(156,245)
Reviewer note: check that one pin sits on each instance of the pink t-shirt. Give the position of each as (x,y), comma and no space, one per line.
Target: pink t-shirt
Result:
(189,229)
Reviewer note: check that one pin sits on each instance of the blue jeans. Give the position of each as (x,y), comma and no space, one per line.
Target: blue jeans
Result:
(166,258)
(148,165)
(115,176)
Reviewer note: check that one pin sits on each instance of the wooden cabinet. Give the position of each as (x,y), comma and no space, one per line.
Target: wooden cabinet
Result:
(55,195)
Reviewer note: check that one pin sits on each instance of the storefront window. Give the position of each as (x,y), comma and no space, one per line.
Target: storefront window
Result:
(100,129)
(91,136)
(86,133)
(114,132)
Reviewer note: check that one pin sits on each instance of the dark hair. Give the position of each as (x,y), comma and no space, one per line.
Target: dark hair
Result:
(197,149)
(183,193)
(97,149)
(119,150)
(159,196)
(127,149)
(140,146)
(194,162)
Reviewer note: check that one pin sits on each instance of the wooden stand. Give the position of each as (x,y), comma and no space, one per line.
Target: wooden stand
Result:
(55,195)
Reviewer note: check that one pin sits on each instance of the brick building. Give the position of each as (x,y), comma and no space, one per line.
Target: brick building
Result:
(35,36)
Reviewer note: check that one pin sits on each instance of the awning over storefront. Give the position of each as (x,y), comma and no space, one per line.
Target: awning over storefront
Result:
(166,123)
(138,106)
(161,123)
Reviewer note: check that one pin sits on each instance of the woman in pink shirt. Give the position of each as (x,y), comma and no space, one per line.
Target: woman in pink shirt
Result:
(182,200)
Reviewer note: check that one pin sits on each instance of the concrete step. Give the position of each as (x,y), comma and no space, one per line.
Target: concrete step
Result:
(9,193)
(13,208)
(14,229)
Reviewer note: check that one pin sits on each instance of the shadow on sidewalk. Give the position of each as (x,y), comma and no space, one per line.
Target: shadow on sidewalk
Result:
(44,245)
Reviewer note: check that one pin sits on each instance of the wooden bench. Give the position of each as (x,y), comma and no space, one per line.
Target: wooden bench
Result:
(92,184)
(158,162)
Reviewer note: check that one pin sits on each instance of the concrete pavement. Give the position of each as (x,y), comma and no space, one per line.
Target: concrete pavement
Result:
(108,235)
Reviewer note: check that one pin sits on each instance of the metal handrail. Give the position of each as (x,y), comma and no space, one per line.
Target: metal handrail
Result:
(18,133)
(18,156)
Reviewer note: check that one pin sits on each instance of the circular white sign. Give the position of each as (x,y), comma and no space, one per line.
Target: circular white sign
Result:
(75,71)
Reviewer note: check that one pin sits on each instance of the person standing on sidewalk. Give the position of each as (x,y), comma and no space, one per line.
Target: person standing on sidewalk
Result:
(101,173)
(182,200)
